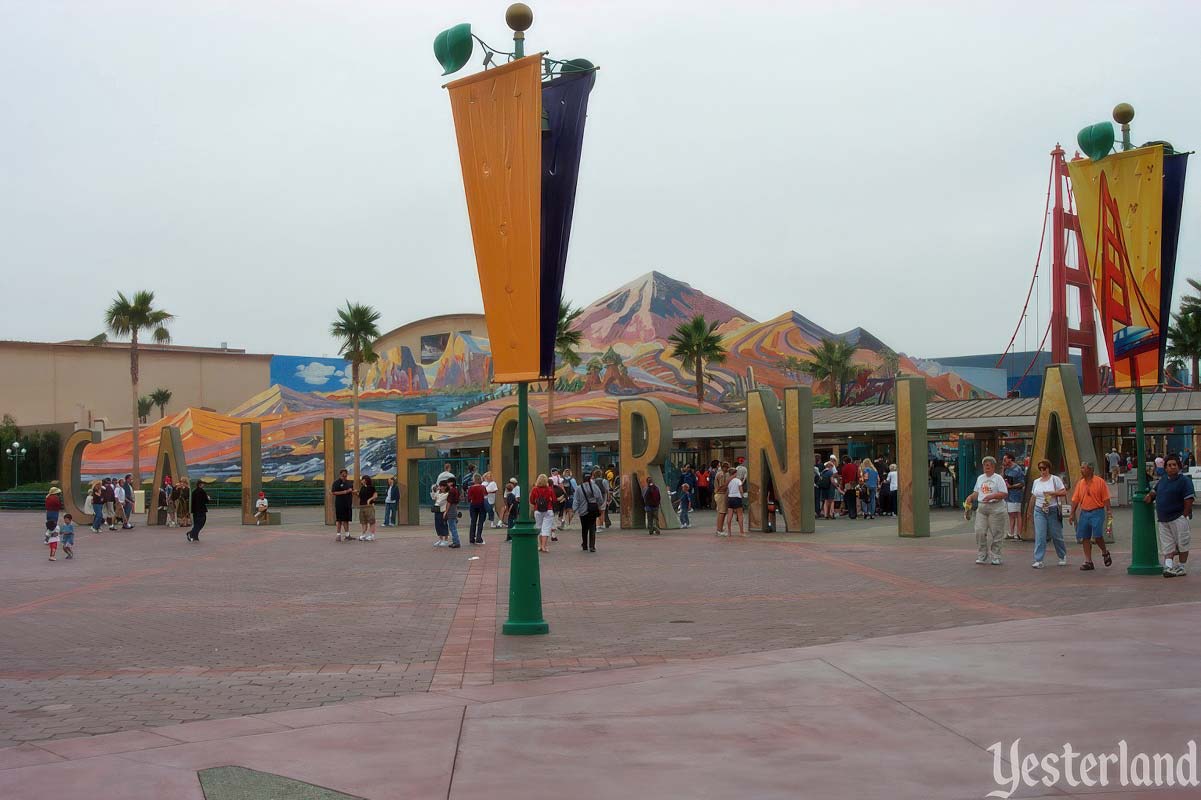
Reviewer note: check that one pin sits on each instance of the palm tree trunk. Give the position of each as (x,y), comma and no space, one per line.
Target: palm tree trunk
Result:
(358,461)
(700,385)
(133,382)
(550,401)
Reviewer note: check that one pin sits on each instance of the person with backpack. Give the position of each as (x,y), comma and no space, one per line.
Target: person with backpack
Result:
(569,484)
(542,500)
(589,501)
(555,484)
(651,499)
(827,484)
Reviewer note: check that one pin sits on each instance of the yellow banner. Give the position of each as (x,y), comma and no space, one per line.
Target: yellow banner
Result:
(498,123)
(1120,203)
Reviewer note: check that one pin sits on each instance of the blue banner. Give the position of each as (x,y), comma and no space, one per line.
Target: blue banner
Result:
(1174,168)
(565,104)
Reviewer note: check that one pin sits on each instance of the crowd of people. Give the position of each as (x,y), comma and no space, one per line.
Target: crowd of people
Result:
(862,490)
(556,500)
(110,502)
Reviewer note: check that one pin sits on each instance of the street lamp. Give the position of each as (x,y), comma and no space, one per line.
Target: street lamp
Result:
(16,453)
(530,109)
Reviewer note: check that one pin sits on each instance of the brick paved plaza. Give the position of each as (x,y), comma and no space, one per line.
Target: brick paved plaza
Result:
(848,663)
(144,630)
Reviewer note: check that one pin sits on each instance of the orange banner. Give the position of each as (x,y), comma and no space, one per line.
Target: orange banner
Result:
(498,123)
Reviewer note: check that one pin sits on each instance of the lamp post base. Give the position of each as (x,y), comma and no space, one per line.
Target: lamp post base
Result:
(525,628)
(525,585)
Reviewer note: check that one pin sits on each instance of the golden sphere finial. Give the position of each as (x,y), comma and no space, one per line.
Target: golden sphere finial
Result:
(1123,113)
(519,17)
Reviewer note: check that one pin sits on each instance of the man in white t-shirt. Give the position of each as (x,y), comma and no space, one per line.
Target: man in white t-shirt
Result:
(991,516)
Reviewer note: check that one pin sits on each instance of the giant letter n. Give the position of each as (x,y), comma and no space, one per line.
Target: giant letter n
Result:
(778,451)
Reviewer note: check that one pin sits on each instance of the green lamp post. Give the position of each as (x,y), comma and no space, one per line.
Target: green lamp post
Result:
(453,48)
(1144,550)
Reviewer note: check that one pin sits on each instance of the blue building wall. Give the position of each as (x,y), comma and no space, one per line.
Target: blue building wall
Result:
(1014,365)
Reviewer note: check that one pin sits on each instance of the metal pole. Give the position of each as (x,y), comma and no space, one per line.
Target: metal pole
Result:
(525,582)
(1144,552)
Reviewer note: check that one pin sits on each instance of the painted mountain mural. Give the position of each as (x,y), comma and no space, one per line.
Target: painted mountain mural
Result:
(624,353)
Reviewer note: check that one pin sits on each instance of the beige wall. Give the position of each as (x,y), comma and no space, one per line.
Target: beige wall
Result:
(62,383)
(410,335)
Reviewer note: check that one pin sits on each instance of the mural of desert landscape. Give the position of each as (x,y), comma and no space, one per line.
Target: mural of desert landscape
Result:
(624,353)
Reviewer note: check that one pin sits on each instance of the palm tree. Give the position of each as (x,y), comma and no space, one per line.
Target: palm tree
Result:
(567,341)
(792,365)
(831,363)
(695,343)
(129,317)
(161,397)
(145,403)
(356,327)
(1184,339)
(1191,303)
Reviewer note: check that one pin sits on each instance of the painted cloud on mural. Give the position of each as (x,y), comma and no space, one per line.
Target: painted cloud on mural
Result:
(309,374)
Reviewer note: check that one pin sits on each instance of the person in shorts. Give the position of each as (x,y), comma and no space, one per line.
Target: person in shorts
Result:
(343,491)
(543,500)
(1091,513)
(1173,497)
(66,535)
(721,481)
(367,498)
(1015,482)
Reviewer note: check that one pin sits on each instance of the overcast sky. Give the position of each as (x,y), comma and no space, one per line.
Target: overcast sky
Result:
(258,162)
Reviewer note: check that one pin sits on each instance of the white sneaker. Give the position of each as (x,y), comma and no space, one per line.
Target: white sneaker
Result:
(1037,565)
(438,543)
(1063,562)
(996,562)
(981,560)
(1179,571)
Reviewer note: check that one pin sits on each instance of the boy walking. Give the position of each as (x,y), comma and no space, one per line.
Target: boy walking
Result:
(685,504)
(66,535)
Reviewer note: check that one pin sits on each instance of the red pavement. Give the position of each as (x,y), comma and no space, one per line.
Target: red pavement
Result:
(143,631)
(898,717)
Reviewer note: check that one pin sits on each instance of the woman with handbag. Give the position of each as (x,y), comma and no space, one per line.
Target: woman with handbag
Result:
(1048,493)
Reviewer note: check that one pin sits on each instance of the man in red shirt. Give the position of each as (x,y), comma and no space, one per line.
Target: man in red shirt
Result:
(477,500)
(850,482)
